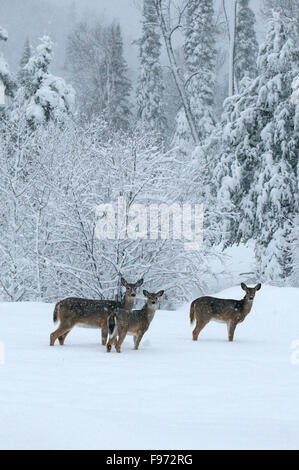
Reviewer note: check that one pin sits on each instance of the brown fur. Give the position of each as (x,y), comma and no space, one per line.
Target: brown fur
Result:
(55,313)
(89,313)
(135,322)
(192,313)
(229,311)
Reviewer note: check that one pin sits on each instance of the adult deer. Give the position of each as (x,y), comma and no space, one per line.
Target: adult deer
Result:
(134,323)
(90,313)
(231,312)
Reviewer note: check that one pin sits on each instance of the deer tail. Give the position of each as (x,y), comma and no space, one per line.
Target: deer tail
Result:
(56,313)
(192,312)
(112,325)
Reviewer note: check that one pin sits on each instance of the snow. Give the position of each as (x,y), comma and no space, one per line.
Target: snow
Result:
(172,393)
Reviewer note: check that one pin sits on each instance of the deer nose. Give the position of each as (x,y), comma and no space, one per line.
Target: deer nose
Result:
(133,295)
(153,302)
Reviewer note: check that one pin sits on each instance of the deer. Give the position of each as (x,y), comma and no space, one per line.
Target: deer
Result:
(90,313)
(231,312)
(135,322)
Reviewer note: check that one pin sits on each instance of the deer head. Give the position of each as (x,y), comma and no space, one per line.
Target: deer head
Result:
(131,289)
(250,291)
(152,298)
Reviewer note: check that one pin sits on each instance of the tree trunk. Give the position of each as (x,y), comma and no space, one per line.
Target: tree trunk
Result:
(231,75)
(166,33)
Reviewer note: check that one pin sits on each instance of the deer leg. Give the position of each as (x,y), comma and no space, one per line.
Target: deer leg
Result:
(200,324)
(62,338)
(104,335)
(231,326)
(120,340)
(137,340)
(110,344)
(61,331)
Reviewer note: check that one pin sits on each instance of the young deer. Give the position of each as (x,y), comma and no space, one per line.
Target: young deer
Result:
(226,311)
(90,313)
(134,323)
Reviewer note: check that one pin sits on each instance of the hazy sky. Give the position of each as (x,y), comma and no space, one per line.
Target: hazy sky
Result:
(34,18)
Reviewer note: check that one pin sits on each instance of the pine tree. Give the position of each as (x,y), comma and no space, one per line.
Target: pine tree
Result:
(295,252)
(199,51)
(277,181)
(150,88)
(246,46)
(118,107)
(45,96)
(5,75)
(23,74)
(289,8)
(260,144)
(99,73)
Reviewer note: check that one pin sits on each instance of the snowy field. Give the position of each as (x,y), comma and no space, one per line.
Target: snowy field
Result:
(171,394)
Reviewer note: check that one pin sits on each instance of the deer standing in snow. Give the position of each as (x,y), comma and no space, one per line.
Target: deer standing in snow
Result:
(231,312)
(136,322)
(90,313)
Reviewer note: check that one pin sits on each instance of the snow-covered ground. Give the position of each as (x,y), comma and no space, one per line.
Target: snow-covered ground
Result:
(171,394)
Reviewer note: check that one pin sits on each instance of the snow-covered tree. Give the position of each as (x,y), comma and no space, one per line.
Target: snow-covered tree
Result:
(199,51)
(246,47)
(150,106)
(23,74)
(47,97)
(50,246)
(182,138)
(99,72)
(289,8)
(260,144)
(5,75)
(129,166)
(86,68)
(16,177)
(118,111)
(295,251)
(277,202)
(170,23)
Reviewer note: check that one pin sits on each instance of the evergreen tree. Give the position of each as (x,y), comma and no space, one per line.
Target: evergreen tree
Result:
(45,96)
(246,46)
(289,8)
(277,182)
(118,107)
(23,74)
(5,75)
(99,73)
(260,144)
(85,63)
(150,83)
(199,51)
(295,252)
(182,138)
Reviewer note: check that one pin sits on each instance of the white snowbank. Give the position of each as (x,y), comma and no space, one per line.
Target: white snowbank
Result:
(172,393)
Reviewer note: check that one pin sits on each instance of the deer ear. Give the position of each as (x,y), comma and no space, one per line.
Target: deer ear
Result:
(123,281)
(145,293)
(160,293)
(258,286)
(139,283)
(244,287)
